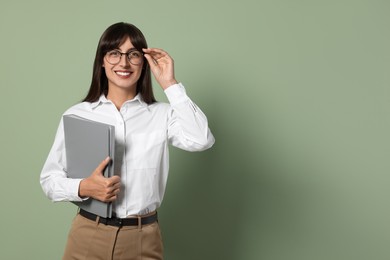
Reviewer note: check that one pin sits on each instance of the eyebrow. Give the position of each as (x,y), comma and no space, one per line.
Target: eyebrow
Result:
(129,50)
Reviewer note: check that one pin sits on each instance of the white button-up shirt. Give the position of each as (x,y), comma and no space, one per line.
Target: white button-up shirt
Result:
(142,135)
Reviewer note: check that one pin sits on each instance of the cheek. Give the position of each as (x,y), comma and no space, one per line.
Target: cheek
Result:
(107,69)
(106,66)
(137,70)
(139,74)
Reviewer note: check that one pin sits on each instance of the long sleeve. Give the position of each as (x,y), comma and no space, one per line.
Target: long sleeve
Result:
(187,124)
(53,178)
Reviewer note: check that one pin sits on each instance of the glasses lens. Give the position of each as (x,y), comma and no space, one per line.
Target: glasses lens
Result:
(113,57)
(135,57)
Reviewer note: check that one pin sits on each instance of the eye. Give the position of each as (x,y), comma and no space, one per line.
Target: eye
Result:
(114,54)
(135,54)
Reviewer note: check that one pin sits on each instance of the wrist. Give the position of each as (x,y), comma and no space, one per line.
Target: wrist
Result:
(169,83)
(82,193)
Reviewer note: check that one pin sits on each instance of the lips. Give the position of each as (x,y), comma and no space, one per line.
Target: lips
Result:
(123,73)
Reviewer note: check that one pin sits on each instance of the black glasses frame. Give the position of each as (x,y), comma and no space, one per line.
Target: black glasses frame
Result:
(128,56)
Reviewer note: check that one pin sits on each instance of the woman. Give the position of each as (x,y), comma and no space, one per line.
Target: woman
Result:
(121,95)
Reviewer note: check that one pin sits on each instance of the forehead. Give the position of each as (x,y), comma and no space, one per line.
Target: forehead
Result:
(126,44)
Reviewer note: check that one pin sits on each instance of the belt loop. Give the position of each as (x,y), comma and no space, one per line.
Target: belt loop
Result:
(139,223)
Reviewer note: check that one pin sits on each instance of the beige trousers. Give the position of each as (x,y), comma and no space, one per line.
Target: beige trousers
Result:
(90,240)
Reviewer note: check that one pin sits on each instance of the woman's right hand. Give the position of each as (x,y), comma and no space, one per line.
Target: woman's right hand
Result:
(99,187)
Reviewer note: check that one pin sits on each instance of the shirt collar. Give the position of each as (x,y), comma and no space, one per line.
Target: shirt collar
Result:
(103,100)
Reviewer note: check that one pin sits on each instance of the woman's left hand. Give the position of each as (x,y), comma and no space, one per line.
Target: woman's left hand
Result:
(161,65)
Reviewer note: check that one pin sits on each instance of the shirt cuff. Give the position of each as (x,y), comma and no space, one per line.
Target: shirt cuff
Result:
(75,184)
(176,94)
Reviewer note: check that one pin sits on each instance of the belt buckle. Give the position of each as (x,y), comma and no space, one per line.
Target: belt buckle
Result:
(119,222)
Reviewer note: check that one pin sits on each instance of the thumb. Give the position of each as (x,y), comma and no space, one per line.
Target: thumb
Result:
(99,170)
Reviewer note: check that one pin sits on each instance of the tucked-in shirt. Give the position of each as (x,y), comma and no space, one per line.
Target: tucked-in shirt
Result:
(142,134)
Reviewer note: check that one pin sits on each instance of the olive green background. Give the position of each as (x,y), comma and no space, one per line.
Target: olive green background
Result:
(297,95)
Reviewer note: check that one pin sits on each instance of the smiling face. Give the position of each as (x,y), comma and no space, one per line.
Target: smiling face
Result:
(124,75)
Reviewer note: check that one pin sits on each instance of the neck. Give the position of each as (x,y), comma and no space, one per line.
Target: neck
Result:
(119,96)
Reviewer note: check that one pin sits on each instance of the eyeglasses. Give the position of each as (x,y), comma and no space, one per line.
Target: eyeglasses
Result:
(134,57)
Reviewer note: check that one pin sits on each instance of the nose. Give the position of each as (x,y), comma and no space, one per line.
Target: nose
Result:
(123,61)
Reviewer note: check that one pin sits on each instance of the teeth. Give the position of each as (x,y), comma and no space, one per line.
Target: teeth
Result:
(120,73)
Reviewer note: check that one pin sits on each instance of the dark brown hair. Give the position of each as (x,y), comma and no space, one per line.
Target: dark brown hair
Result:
(112,38)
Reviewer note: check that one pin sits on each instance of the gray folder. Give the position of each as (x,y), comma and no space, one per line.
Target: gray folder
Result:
(87,144)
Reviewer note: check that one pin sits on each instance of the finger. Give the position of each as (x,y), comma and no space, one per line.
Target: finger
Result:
(114,179)
(109,198)
(110,194)
(114,186)
(156,53)
(102,165)
(113,183)
(113,198)
(113,194)
(154,50)
(112,191)
(152,62)
(117,186)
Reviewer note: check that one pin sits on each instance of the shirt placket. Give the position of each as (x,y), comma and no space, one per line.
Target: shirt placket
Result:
(121,136)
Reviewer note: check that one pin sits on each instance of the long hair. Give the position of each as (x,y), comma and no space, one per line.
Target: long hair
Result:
(112,38)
